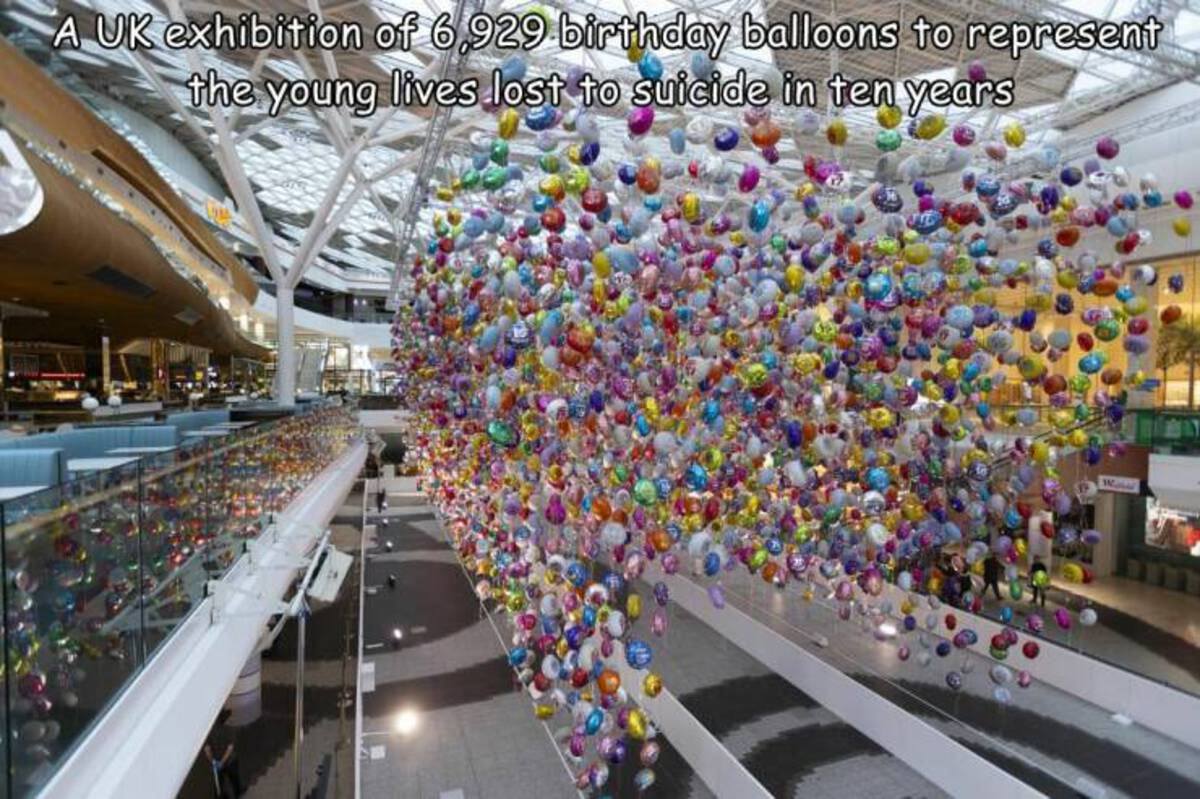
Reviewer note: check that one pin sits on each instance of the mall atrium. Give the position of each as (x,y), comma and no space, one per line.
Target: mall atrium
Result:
(354,449)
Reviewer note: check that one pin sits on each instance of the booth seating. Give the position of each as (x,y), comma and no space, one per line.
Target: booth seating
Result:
(34,467)
(188,421)
(95,442)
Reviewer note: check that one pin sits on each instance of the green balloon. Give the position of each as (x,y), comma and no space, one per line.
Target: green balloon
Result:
(888,140)
(644,492)
(499,152)
(495,177)
(501,433)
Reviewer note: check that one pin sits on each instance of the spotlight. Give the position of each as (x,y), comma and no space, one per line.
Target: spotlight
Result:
(406,722)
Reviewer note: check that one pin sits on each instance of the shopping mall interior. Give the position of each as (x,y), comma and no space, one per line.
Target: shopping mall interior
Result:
(598,450)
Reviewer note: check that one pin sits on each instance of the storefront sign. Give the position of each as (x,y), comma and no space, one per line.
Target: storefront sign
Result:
(217,213)
(1121,485)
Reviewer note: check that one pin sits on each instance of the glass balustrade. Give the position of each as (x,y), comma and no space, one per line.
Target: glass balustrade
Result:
(101,570)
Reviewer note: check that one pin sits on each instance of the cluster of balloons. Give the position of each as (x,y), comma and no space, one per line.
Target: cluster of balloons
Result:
(668,354)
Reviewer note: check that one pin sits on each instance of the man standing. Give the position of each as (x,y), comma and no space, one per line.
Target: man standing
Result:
(991,574)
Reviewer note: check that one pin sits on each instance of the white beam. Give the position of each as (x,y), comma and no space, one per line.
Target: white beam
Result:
(165,92)
(231,167)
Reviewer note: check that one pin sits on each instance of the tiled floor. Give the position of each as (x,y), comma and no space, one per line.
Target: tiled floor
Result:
(476,732)
(1172,611)
(1045,736)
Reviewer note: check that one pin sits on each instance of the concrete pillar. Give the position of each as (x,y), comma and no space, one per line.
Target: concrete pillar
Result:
(285,353)
(1040,547)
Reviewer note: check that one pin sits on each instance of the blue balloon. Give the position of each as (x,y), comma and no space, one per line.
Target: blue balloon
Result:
(678,140)
(638,654)
(650,67)
(513,68)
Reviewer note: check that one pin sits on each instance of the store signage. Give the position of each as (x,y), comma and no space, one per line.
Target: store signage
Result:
(217,213)
(1121,485)
(51,375)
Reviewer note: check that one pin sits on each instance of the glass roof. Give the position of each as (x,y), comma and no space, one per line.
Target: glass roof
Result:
(292,160)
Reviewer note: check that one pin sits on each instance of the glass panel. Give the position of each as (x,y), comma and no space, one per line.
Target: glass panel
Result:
(73,637)
(176,543)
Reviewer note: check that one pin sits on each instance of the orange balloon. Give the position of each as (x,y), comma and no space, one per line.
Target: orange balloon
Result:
(608,681)
(648,179)
(765,134)
(769,571)
(601,508)
(660,539)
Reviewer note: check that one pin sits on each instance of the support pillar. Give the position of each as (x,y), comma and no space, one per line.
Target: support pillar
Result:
(285,353)
(1104,553)
(245,700)
(105,367)
(160,368)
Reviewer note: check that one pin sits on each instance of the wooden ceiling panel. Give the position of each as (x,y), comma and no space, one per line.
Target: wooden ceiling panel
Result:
(97,274)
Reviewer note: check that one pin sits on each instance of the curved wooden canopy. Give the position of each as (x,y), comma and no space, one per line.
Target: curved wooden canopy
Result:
(97,274)
(30,92)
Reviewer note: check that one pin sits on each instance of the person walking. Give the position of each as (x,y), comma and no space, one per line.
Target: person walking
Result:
(991,574)
(227,783)
(1039,578)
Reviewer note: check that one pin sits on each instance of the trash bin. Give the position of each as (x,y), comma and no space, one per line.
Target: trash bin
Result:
(1193,582)
(1154,573)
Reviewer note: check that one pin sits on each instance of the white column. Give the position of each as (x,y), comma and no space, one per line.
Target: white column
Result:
(285,355)
(245,700)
